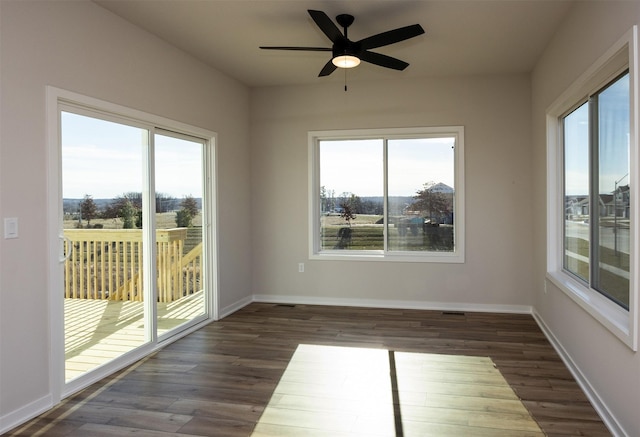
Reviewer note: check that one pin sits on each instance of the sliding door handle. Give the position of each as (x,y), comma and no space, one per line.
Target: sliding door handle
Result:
(69,247)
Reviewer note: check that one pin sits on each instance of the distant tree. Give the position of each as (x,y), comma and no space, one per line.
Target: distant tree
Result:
(111,210)
(122,207)
(189,209)
(327,201)
(164,202)
(430,201)
(139,218)
(183,218)
(134,197)
(331,200)
(348,204)
(88,209)
(356,204)
(323,199)
(127,213)
(190,204)
(371,207)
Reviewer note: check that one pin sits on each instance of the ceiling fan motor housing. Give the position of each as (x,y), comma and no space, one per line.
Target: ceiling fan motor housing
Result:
(345,20)
(346,47)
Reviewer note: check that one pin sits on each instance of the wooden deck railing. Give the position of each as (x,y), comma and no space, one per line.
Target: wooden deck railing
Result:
(106,264)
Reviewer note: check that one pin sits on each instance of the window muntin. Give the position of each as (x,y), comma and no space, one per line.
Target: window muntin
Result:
(387,195)
(597,202)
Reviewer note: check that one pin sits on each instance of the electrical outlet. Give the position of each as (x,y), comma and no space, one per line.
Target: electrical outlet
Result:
(300,267)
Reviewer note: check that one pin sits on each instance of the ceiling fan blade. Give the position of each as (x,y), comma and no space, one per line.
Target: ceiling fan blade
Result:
(391,36)
(328,68)
(301,49)
(325,24)
(383,60)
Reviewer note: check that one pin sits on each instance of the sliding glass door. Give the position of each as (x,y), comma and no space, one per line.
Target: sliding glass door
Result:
(102,185)
(133,213)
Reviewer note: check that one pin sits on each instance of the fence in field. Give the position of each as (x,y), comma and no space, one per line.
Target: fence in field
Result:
(107,264)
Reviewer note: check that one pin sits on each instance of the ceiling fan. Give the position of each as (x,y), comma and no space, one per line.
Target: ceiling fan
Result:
(347,53)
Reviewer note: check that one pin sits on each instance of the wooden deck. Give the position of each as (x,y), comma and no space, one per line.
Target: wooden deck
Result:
(97,331)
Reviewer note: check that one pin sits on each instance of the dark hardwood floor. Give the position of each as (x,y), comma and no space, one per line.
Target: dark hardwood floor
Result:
(470,374)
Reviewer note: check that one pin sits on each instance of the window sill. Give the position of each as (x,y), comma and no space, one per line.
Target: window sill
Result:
(340,255)
(615,318)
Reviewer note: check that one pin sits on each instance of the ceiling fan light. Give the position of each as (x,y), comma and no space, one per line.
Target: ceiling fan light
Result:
(346,61)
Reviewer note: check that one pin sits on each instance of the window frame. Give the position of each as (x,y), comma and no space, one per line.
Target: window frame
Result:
(315,252)
(620,57)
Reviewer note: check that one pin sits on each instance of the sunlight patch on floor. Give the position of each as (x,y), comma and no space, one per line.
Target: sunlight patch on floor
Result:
(343,391)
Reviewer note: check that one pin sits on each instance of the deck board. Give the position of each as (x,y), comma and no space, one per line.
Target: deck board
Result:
(98,331)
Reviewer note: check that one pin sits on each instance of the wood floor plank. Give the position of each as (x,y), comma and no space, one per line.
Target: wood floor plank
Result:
(105,430)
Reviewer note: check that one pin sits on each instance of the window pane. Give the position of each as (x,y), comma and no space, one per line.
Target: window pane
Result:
(420,194)
(576,192)
(351,195)
(612,252)
(103,285)
(178,184)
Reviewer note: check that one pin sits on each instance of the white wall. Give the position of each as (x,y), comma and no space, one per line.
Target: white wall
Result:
(83,48)
(612,369)
(495,112)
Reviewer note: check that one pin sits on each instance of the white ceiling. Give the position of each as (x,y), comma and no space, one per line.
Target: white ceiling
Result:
(463,37)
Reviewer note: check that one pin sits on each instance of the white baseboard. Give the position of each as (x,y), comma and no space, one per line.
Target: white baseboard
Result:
(25,413)
(396,304)
(605,414)
(230,309)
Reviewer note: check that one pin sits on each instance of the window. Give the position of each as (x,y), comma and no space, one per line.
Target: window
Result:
(591,191)
(388,194)
(596,166)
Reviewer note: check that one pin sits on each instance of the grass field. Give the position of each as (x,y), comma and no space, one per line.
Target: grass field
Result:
(165,220)
(367,234)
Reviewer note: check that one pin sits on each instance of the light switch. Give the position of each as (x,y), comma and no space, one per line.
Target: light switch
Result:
(10,227)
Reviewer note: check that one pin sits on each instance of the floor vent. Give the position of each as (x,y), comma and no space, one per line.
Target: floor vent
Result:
(454,313)
(286,305)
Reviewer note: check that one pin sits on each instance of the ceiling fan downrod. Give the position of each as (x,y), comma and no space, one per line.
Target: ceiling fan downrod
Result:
(345,20)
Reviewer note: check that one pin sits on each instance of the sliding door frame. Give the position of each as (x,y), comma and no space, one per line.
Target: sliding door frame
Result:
(56,100)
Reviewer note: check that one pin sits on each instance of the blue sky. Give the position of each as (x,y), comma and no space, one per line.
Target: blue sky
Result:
(105,160)
(613,144)
(356,166)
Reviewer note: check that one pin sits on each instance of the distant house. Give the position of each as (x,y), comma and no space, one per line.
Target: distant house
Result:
(618,205)
(576,206)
